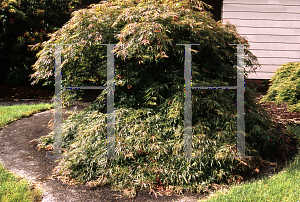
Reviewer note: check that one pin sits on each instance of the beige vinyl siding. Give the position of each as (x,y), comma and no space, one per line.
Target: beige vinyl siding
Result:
(272,28)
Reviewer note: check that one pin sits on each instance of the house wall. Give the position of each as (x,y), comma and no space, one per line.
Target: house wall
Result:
(272,28)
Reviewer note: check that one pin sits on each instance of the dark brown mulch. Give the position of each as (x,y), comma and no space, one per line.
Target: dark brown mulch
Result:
(279,113)
(281,117)
(18,93)
(9,93)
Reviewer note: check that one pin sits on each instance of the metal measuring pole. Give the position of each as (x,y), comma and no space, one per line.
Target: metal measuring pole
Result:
(57,104)
(110,101)
(240,101)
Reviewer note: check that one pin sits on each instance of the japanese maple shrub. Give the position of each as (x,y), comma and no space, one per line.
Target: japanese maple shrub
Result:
(149,97)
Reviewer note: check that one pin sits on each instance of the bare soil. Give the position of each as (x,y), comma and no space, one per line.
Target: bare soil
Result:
(22,157)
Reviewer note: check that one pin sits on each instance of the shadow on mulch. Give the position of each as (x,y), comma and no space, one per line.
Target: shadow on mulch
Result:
(9,93)
(15,93)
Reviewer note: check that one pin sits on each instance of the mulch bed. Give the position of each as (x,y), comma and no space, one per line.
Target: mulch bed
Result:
(20,156)
(279,113)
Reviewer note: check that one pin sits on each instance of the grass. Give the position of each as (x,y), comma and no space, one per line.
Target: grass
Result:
(9,114)
(12,187)
(284,186)
(15,188)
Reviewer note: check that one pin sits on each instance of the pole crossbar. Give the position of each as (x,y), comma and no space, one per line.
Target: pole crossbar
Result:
(215,87)
(83,87)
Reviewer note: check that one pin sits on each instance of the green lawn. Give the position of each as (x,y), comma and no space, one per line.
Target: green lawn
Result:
(283,186)
(14,188)
(9,114)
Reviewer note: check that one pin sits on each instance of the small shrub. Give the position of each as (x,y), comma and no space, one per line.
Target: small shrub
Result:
(285,86)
